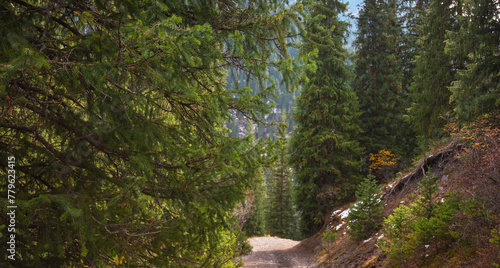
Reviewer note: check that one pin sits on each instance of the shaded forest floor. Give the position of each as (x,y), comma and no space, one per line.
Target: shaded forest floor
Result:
(277,252)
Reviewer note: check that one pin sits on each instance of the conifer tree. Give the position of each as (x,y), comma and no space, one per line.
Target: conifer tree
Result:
(412,229)
(379,77)
(434,69)
(324,150)
(281,220)
(426,205)
(115,112)
(367,213)
(476,90)
(410,20)
(256,225)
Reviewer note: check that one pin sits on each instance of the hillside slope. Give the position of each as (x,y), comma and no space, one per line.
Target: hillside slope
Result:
(471,173)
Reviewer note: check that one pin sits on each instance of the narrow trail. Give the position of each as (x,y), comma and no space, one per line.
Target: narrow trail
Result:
(277,252)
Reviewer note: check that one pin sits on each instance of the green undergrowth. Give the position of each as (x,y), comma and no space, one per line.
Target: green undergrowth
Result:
(411,230)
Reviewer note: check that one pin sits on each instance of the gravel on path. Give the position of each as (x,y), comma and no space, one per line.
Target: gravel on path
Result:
(277,252)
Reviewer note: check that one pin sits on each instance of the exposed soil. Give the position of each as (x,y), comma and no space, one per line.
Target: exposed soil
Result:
(277,252)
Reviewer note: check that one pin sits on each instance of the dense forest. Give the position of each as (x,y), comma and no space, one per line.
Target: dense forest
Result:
(145,133)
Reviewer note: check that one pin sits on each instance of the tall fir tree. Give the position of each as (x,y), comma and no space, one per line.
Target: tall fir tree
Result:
(256,225)
(409,18)
(434,69)
(281,218)
(324,150)
(379,77)
(476,89)
(115,113)
(367,213)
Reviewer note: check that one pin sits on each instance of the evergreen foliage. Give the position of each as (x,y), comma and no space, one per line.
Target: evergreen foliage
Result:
(283,101)
(367,213)
(116,113)
(410,230)
(379,77)
(324,150)
(434,69)
(328,239)
(139,126)
(425,206)
(476,90)
(395,244)
(433,217)
(281,219)
(408,19)
(256,225)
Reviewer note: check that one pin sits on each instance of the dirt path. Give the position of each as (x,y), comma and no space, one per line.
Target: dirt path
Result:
(277,252)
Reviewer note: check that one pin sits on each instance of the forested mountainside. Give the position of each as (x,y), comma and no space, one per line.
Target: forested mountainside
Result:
(143,133)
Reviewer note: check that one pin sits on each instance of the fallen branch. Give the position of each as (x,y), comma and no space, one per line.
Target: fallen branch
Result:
(422,168)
